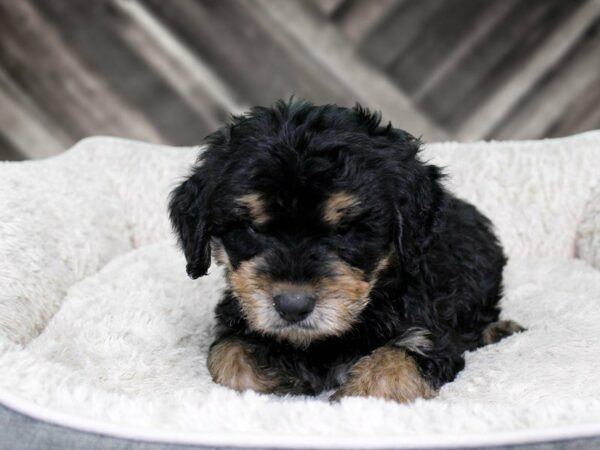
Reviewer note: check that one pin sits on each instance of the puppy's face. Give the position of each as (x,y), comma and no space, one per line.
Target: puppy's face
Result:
(303,219)
(300,260)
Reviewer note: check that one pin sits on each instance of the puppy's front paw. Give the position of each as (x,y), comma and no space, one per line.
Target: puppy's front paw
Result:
(231,364)
(387,373)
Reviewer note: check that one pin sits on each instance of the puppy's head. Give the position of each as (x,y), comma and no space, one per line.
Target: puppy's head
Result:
(306,206)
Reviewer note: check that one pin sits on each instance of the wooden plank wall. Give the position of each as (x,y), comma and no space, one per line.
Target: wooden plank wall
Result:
(172,71)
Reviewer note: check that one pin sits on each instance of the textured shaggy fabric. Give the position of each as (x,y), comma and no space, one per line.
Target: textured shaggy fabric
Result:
(588,232)
(98,318)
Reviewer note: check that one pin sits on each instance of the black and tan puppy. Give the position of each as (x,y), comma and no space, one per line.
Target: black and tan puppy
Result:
(349,266)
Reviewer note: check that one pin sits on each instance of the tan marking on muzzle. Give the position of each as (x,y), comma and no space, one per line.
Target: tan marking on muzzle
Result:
(341,297)
(252,290)
(346,291)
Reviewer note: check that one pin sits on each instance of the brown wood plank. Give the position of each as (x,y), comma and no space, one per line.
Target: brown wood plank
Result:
(564,99)
(368,85)
(515,85)
(492,15)
(68,90)
(8,151)
(94,33)
(31,133)
(358,18)
(494,62)
(583,114)
(196,83)
(27,135)
(328,7)
(495,57)
(171,71)
(441,33)
(250,52)
(394,34)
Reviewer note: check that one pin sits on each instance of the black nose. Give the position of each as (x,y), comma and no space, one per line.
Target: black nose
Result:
(294,307)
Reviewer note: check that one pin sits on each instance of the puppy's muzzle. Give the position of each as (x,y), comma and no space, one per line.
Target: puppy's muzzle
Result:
(294,306)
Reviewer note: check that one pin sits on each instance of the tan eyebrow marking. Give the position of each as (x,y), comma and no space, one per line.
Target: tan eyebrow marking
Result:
(256,206)
(338,205)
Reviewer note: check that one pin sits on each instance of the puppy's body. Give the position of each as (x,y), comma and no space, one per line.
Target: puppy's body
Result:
(435,313)
(349,266)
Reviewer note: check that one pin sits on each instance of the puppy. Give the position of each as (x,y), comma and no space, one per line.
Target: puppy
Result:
(349,266)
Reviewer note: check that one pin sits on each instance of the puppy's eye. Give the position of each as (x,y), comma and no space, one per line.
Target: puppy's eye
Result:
(251,229)
(343,230)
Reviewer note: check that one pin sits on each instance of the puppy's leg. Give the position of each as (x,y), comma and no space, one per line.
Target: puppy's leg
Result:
(242,364)
(497,331)
(390,373)
(232,363)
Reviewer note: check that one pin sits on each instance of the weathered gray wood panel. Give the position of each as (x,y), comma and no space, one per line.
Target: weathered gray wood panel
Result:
(171,71)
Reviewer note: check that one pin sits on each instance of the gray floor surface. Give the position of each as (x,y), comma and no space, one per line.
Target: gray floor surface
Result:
(20,432)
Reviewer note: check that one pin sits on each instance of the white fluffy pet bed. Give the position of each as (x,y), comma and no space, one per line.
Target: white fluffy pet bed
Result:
(101,329)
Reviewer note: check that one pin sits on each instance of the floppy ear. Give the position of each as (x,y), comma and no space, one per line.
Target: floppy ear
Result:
(188,212)
(418,207)
(417,194)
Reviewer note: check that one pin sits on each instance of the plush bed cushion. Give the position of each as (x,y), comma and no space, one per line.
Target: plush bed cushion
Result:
(588,232)
(99,322)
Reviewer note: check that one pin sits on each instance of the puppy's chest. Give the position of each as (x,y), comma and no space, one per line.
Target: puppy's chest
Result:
(325,370)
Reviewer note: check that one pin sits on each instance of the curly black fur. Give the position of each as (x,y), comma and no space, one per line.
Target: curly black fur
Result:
(444,277)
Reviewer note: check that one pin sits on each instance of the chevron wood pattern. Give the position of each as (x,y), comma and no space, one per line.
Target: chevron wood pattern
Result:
(172,71)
